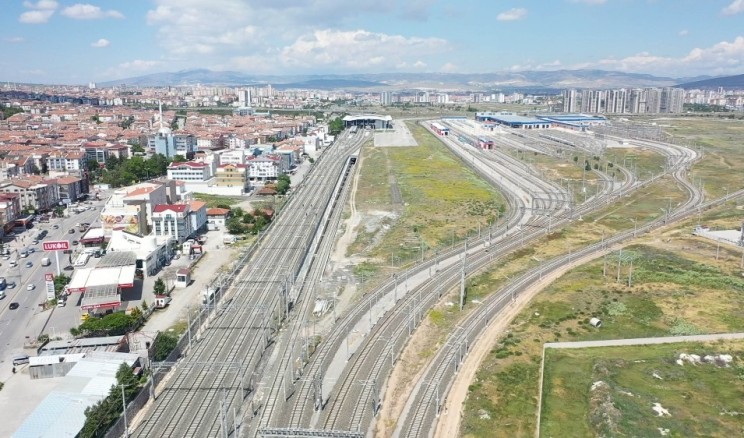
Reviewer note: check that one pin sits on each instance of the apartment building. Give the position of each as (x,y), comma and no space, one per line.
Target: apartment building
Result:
(263,168)
(232,175)
(190,171)
(32,193)
(172,221)
(10,210)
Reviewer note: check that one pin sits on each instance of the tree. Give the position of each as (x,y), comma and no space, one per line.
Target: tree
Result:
(93,166)
(114,324)
(112,162)
(44,167)
(164,344)
(336,126)
(234,225)
(35,169)
(283,184)
(159,287)
(179,159)
(100,417)
(138,149)
(60,282)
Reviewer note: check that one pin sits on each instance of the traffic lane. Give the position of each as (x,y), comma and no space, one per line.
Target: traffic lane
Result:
(29,300)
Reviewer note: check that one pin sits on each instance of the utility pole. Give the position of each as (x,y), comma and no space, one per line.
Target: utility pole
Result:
(124,411)
(630,273)
(462,286)
(619,260)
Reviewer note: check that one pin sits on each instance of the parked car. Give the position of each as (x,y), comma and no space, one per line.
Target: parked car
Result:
(13,264)
(68,268)
(55,226)
(75,242)
(61,303)
(71,231)
(14,305)
(29,264)
(31,286)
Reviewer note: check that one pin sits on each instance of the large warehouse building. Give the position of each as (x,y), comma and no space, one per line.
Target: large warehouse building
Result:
(372,121)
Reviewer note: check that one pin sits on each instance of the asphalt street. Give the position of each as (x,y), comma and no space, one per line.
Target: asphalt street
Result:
(17,326)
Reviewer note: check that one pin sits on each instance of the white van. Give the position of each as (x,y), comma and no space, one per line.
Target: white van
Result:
(45,261)
(20,359)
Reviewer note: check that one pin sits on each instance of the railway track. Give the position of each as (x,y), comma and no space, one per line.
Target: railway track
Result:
(208,385)
(425,401)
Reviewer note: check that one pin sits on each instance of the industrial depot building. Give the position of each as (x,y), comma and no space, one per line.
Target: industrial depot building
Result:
(576,122)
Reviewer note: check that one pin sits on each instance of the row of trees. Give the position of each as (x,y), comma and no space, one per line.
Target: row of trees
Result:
(102,415)
(113,324)
(122,172)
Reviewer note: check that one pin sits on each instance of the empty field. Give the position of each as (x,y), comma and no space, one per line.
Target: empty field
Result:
(644,391)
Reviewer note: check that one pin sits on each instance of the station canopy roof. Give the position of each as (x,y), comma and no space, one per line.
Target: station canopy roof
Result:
(118,277)
(101,297)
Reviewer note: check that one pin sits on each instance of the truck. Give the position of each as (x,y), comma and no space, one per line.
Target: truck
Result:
(45,261)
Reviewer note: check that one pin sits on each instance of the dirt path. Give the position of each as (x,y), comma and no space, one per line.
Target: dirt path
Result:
(351,224)
(452,410)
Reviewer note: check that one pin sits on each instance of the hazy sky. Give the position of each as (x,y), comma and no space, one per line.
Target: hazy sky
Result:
(59,41)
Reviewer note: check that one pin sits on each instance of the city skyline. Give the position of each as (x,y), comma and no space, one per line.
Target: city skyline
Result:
(49,41)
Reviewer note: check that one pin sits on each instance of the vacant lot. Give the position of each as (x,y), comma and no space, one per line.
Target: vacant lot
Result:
(613,391)
(723,156)
(213,201)
(418,197)
(677,288)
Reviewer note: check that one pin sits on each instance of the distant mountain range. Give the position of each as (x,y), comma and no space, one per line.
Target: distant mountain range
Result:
(504,81)
(729,82)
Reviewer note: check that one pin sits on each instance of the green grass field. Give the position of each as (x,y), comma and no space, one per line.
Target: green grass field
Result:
(441,199)
(611,391)
(678,288)
(214,200)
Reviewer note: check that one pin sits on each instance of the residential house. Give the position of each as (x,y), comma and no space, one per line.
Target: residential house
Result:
(217,218)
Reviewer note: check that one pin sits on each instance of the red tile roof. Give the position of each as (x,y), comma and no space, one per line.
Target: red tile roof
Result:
(178,208)
(217,211)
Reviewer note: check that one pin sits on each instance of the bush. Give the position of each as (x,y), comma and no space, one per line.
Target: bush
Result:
(114,324)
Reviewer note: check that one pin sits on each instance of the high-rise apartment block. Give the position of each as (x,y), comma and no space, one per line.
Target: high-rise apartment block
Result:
(624,101)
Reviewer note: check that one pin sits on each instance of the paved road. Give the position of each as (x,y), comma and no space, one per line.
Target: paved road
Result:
(644,341)
(26,322)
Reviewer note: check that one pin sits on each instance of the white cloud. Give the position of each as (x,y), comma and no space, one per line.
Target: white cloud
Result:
(512,14)
(36,17)
(41,11)
(734,8)
(357,50)
(41,4)
(101,43)
(14,40)
(83,11)
(721,59)
(683,32)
